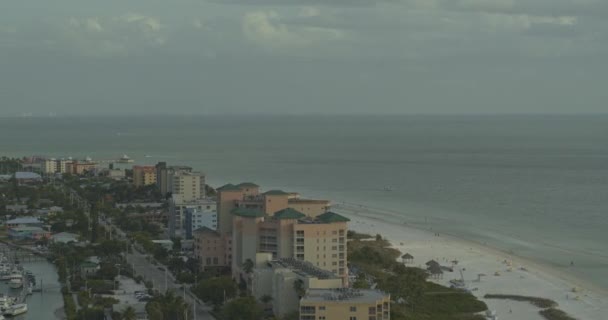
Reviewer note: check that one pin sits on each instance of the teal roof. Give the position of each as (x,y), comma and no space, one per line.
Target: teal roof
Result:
(247,185)
(276,193)
(229,187)
(329,217)
(289,213)
(247,213)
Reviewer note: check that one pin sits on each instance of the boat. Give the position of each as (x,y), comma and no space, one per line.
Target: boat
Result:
(16,281)
(125,159)
(5,302)
(16,309)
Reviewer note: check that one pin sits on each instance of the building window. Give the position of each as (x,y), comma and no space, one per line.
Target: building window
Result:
(322,308)
(372,311)
(352,318)
(307,310)
(353,309)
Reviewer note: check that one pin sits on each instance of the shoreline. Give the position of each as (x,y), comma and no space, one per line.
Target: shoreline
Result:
(542,280)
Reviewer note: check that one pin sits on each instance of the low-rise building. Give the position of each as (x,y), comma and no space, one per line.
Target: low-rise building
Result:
(27,178)
(166,244)
(28,233)
(64,237)
(345,304)
(88,268)
(24,222)
(285,280)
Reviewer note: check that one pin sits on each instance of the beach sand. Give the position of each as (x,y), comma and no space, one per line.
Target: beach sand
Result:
(517,276)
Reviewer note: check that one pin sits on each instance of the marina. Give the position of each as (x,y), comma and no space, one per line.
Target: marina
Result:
(28,288)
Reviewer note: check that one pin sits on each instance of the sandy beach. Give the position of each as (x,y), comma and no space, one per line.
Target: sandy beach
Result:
(504,273)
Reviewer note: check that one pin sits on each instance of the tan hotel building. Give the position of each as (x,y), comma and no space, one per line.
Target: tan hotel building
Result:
(273,222)
(345,304)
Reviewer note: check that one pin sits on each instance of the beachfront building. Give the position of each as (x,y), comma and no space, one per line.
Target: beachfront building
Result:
(177,212)
(62,165)
(197,218)
(285,280)
(275,222)
(346,303)
(144,175)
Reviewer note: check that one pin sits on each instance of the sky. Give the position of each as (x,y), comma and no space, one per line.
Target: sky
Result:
(187,57)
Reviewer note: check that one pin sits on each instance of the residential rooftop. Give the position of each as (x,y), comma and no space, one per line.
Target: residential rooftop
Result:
(344,295)
(303,268)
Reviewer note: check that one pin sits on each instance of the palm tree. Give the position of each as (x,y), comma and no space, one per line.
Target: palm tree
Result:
(248,266)
(129,314)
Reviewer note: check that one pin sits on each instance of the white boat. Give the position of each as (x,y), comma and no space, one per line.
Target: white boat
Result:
(125,159)
(16,309)
(16,281)
(5,302)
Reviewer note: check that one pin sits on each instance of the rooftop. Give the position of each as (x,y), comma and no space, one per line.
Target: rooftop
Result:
(329,217)
(24,220)
(303,268)
(345,295)
(25,229)
(229,187)
(247,185)
(27,175)
(288,213)
(276,193)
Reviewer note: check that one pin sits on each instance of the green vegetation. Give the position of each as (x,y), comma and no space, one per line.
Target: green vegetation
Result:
(549,311)
(539,302)
(416,298)
(216,290)
(555,314)
(244,308)
(168,307)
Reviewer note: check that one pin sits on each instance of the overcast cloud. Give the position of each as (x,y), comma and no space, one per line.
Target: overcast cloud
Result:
(303,56)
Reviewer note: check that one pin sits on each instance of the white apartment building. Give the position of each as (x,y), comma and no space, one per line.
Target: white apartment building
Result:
(178,208)
(199,218)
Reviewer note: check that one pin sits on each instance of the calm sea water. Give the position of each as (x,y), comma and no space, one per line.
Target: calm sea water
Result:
(534,185)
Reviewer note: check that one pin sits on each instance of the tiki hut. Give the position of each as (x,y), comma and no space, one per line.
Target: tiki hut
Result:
(432,263)
(435,271)
(407,258)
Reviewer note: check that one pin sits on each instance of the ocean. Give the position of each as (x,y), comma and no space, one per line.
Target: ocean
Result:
(535,186)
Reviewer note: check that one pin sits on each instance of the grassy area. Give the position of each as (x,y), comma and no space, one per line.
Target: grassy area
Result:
(539,302)
(555,314)
(416,298)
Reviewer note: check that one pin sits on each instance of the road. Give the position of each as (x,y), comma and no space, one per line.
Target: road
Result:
(163,280)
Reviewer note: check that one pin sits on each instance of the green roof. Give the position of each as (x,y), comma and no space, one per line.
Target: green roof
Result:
(247,185)
(247,213)
(329,217)
(276,193)
(229,187)
(288,213)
